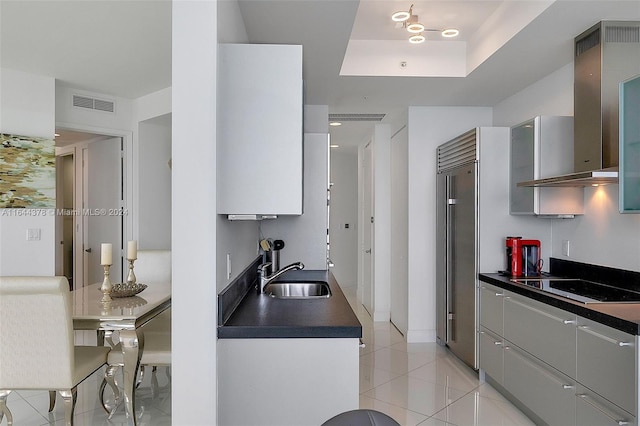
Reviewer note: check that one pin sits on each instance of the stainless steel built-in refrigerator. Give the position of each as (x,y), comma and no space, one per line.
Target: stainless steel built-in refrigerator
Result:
(472,186)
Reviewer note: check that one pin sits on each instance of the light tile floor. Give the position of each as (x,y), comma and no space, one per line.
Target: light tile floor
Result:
(416,384)
(29,408)
(423,383)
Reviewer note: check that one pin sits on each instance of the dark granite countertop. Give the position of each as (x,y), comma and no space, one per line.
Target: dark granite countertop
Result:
(621,316)
(261,316)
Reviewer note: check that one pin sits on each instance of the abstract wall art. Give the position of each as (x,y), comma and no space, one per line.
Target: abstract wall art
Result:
(27,172)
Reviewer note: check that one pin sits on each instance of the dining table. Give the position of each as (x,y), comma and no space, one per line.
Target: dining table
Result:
(126,316)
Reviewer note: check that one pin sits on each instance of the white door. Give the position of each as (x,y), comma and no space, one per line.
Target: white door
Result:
(103,200)
(367,232)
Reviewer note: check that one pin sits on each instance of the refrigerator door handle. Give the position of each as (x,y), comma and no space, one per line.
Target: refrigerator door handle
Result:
(449,256)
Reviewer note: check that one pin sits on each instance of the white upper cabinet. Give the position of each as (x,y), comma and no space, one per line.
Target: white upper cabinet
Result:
(260,104)
(540,148)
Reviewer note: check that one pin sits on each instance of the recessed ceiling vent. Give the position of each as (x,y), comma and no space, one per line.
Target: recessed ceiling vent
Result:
(93,103)
(356,117)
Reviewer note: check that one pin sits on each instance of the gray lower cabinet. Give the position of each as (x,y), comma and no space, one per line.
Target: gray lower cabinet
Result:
(491,314)
(607,363)
(566,369)
(544,390)
(491,354)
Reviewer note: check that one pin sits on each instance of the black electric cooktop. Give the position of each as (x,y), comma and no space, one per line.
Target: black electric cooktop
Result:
(581,290)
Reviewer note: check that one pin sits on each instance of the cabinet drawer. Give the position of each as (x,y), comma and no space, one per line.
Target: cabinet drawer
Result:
(491,307)
(544,331)
(606,363)
(547,392)
(591,410)
(491,354)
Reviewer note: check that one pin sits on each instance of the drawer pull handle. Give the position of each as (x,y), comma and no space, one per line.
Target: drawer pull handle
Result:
(603,337)
(602,409)
(497,343)
(499,294)
(542,370)
(543,313)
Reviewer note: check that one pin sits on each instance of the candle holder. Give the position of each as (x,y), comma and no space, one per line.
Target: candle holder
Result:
(131,276)
(106,285)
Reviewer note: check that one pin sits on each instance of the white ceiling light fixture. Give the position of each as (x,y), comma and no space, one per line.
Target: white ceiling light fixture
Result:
(450,32)
(411,24)
(401,16)
(416,39)
(335,123)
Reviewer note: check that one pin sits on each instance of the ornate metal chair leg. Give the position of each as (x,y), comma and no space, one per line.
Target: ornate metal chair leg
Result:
(4,410)
(52,400)
(109,378)
(155,388)
(70,397)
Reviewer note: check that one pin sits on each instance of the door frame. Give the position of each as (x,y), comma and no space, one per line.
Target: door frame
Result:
(129,181)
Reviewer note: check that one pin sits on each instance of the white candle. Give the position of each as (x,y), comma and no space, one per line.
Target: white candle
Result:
(132,250)
(105,254)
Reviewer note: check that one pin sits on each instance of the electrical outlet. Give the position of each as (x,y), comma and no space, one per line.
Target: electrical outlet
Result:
(566,244)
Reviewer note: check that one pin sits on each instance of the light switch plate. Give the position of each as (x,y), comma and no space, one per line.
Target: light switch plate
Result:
(33,234)
(565,247)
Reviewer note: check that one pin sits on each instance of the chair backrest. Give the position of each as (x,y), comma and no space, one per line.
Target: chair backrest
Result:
(36,333)
(153,266)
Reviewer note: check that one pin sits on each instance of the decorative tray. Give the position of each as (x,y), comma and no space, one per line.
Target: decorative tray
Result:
(127,290)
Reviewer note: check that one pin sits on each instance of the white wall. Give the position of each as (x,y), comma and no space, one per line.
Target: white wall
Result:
(154,183)
(602,235)
(194,45)
(428,128)
(69,116)
(344,211)
(27,107)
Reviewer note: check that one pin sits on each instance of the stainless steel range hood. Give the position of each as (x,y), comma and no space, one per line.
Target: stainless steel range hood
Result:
(605,55)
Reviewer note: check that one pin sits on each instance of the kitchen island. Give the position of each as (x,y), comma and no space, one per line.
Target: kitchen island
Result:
(559,360)
(286,361)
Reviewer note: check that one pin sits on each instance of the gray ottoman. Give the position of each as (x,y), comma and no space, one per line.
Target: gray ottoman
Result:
(361,418)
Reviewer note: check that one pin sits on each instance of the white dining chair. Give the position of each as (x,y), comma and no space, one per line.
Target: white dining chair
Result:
(37,350)
(152,266)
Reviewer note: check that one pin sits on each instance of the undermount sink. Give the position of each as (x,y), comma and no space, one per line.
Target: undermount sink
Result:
(298,290)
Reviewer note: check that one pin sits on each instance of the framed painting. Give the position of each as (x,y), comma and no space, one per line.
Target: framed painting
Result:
(27,172)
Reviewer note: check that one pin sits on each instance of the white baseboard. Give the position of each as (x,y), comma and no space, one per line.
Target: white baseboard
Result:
(421,336)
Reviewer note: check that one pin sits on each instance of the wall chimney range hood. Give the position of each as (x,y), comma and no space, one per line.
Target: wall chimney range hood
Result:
(605,55)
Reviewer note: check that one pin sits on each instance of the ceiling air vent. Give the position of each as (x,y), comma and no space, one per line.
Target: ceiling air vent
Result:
(93,103)
(356,117)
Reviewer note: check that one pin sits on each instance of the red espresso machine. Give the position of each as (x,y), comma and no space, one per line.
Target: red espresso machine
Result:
(523,257)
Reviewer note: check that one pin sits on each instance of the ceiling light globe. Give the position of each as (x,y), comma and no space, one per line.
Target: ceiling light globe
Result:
(450,32)
(400,16)
(415,28)
(416,39)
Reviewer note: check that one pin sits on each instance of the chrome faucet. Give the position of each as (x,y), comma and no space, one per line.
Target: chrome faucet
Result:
(265,279)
